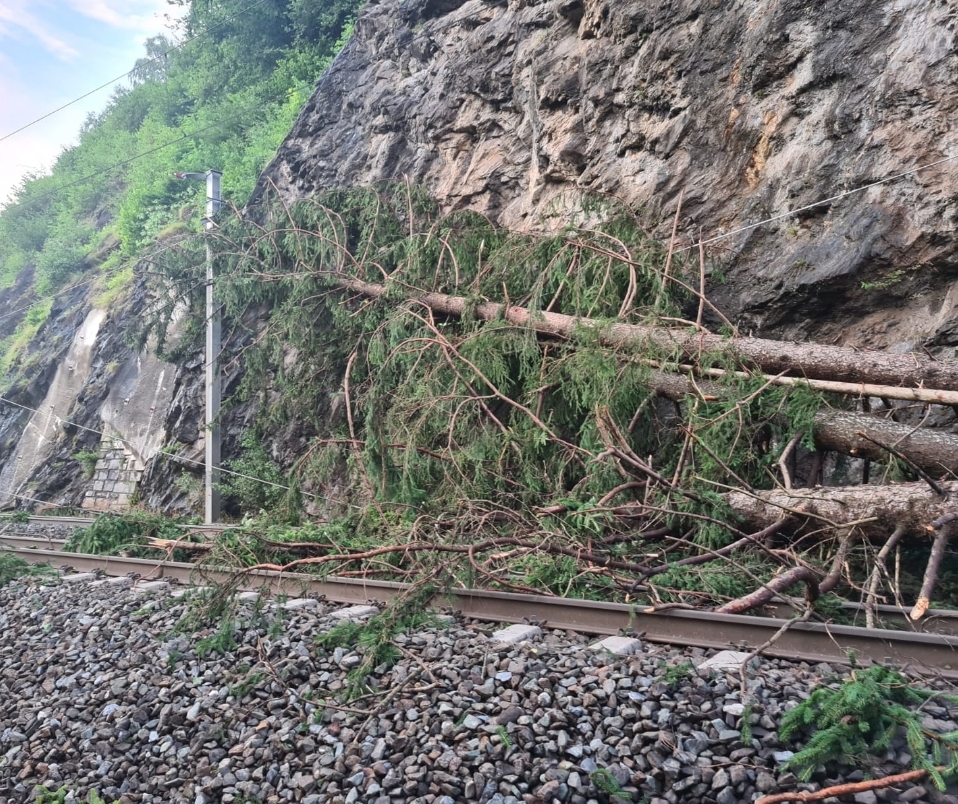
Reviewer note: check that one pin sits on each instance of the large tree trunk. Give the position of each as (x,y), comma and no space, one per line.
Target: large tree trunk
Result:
(845,431)
(806,360)
(878,510)
(834,430)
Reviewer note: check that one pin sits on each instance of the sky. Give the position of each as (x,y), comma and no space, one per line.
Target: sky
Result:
(52,51)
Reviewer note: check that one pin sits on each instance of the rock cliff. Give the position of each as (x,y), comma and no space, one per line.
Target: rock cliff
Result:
(750,109)
(815,121)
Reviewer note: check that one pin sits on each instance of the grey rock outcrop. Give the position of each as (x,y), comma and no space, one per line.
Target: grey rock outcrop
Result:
(751,108)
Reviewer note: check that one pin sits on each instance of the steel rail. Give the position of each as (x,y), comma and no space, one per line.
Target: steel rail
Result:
(803,641)
(74,521)
(84,522)
(935,621)
(32,542)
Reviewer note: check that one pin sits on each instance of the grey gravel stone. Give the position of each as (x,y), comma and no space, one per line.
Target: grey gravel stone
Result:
(618,646)
(516,633)
(354,612)
(726,796)
(79,577)
(298,603)
(152,719)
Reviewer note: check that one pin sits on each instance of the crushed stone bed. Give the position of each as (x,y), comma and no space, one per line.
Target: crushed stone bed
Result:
(100,691)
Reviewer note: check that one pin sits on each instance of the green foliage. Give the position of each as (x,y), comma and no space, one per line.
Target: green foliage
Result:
(374,638)
(225,101)
(221,641)
(676,673)
(604,781)
(115,282)
(246,684)
(429,413)
(47,796)
(890,279)
(715,580)
(746,730)
(63,254)
(259,483)
(861,718)
(128,534)
(562,576)
(88,460)
(504,737)
(13,349)
(13,567)
(214,605)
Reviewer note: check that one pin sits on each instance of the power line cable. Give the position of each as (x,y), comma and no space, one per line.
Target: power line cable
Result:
(112,81)
(122,163)
(824,201)
(44,502)
(292,91)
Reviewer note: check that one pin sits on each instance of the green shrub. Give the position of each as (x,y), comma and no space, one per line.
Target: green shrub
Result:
(88,460)
(128,534)
(13,567)
(859,720)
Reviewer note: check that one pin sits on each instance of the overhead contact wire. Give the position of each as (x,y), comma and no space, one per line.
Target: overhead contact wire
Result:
(824,201)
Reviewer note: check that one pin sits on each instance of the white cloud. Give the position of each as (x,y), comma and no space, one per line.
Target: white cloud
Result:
(17,16)
(143,16)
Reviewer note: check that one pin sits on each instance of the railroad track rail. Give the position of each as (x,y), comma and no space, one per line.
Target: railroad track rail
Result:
(934,653)
(84,521)
(935,621)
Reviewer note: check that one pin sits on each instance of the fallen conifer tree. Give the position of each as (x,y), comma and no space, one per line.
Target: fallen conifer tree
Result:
(535,429)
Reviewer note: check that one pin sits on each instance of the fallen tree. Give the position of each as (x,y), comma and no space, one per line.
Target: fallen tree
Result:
(869,509)
(851,433)
(535,431)
(873,438)
(876,510)
(841,431)
(923,378)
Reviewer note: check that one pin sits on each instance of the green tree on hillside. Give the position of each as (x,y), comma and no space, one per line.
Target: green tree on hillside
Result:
(224,98)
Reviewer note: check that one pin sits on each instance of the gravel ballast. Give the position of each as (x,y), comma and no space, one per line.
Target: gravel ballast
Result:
(99,691)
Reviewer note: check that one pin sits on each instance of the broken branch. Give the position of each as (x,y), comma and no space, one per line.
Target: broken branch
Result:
(846,789)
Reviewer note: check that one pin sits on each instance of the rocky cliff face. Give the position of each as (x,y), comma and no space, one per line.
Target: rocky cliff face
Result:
(749,108)
(79,429)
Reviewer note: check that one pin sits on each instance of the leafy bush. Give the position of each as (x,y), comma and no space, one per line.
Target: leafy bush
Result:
(860,719)
(125,535)
(13,567)
(88,460)
(260,484)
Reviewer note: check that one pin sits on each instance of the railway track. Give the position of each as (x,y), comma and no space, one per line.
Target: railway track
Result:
(933,652)
(936,621)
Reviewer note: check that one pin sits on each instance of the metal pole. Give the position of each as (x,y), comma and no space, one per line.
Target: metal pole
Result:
(214,199)
(213,339)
